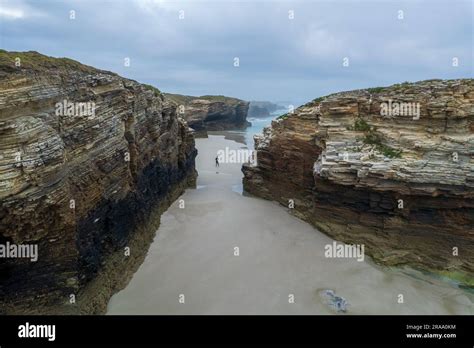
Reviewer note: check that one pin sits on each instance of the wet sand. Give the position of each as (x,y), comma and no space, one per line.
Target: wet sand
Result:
(279,255)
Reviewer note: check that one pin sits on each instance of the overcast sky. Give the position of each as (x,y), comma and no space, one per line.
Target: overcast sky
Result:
(280,58)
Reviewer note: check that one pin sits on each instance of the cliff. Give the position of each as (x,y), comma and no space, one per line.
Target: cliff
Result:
(391,168)
(263,108)
(211,112)
(89,160)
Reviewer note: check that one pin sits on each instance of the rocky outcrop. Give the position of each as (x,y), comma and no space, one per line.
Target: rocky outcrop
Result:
(89,160)
(263,108)
(212,112)
(391,168)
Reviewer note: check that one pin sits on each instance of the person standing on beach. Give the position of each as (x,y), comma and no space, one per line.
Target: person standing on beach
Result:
(217,161)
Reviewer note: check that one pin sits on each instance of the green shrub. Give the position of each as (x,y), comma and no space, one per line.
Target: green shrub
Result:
(403,84)
(389,152)
(361,126)
(375,89)
(318,100)
(373,138)
(151,88)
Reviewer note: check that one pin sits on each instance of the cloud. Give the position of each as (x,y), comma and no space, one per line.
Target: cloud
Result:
(319,43)
(18,9)
(280,58)
(11,13)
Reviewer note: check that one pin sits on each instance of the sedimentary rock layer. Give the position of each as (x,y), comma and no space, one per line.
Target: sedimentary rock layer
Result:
(366,167)
(88,160)
(212,112)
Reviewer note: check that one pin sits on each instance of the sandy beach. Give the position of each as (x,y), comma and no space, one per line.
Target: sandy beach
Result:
(280,268)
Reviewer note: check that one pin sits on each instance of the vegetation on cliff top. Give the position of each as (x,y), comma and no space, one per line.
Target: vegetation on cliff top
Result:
(221,98)
(186,99)
(179,98)
(376,89)
(318,100)
(152,88)
(37,61)
(383,89)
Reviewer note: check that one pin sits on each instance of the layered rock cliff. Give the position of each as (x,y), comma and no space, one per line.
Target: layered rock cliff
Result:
(391,168)
(88,161)
(212,112)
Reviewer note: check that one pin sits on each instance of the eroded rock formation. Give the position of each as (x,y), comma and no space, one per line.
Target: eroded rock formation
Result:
(263,108)
(398,181)
(88,161)
(212,112)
